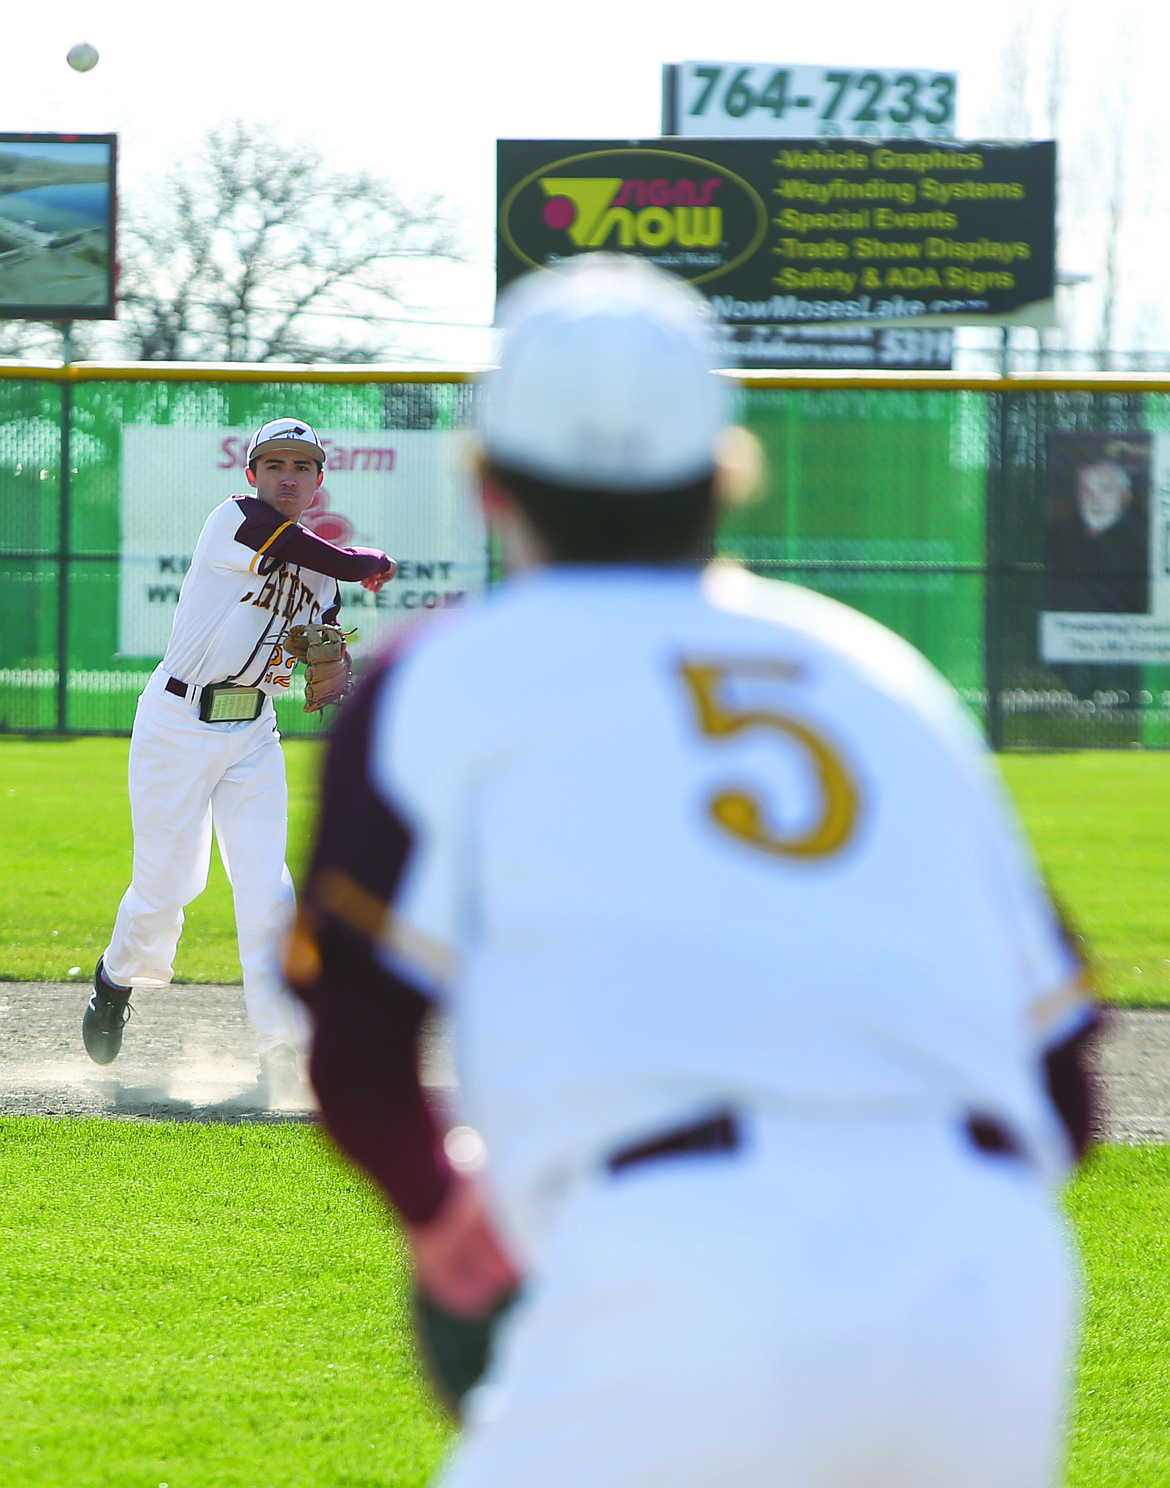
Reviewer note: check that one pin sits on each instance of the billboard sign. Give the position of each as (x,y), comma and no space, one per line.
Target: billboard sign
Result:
(754,99)
(788,232)
(58,204)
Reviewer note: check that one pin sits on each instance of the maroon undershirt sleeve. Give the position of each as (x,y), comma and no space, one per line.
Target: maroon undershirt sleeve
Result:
(1067,1065)
(296,544)
(364,1069)
(367,1019)
(1071,1086)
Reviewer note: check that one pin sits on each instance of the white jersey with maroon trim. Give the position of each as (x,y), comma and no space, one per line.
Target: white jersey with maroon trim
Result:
(238,601)
(685,841)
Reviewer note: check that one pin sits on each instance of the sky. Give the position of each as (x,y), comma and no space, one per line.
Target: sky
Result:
(421,92)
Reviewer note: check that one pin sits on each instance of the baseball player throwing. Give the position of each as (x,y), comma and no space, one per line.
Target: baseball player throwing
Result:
(768,1027)
(260,594)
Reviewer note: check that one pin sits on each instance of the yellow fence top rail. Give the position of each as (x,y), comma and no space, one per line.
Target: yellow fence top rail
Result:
(975,382)
(871,381)
(223,372)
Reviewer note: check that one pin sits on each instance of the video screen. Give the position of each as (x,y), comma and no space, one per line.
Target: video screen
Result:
(58,200)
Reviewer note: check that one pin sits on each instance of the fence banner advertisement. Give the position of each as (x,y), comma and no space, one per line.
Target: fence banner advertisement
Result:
(408,492)
(798,231)
(1106,587)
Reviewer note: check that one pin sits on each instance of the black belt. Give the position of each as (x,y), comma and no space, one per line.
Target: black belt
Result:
(180,689)
(990,1135)
(719,1133)
(722,1133)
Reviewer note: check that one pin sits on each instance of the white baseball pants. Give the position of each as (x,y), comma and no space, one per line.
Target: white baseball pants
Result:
(186,776)
(837,1306)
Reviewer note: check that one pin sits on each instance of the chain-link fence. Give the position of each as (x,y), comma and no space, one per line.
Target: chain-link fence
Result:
(1013,531)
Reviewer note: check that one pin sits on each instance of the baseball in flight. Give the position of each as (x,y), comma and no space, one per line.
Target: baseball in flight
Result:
(82,57)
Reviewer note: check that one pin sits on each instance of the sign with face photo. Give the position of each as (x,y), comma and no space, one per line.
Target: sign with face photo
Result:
(1106,587)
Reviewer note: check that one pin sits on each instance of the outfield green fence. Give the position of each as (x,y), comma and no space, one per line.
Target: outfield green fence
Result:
(951,508)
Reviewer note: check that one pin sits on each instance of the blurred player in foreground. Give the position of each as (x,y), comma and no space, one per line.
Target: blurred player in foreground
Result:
(768,1027)
(205,749)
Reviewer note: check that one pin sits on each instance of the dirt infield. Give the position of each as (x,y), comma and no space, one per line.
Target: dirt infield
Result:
(189,1055)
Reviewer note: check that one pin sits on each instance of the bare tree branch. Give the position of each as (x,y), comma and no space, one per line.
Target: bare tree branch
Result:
(41,340)
(241,245)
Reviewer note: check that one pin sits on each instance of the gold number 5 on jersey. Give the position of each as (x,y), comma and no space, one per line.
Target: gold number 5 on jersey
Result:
(742,814)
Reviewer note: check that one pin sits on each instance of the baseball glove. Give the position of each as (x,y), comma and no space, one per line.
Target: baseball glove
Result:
(328,668)
(455,1350)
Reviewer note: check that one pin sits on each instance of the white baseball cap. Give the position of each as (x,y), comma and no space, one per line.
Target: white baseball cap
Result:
(286,434)
(606,378)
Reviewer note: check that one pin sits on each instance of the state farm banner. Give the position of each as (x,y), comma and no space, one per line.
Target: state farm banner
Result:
(782,232)
(408,492)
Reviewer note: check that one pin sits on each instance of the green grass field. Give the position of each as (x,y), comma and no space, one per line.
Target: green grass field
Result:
(1121,1430)
(201,1306)
(65,858)
(1100,821)
(223,1307)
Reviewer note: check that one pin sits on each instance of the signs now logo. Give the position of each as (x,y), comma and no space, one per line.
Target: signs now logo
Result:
(685,213)
(633,213)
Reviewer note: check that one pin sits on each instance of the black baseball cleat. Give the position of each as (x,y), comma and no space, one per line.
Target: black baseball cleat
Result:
(107,1011)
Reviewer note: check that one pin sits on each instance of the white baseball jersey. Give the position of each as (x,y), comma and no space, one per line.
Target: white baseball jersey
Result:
(681,840)
(253,575)
(239,599)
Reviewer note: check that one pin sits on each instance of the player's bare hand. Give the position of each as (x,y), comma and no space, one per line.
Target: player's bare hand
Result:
(459,1260)
(375,581)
